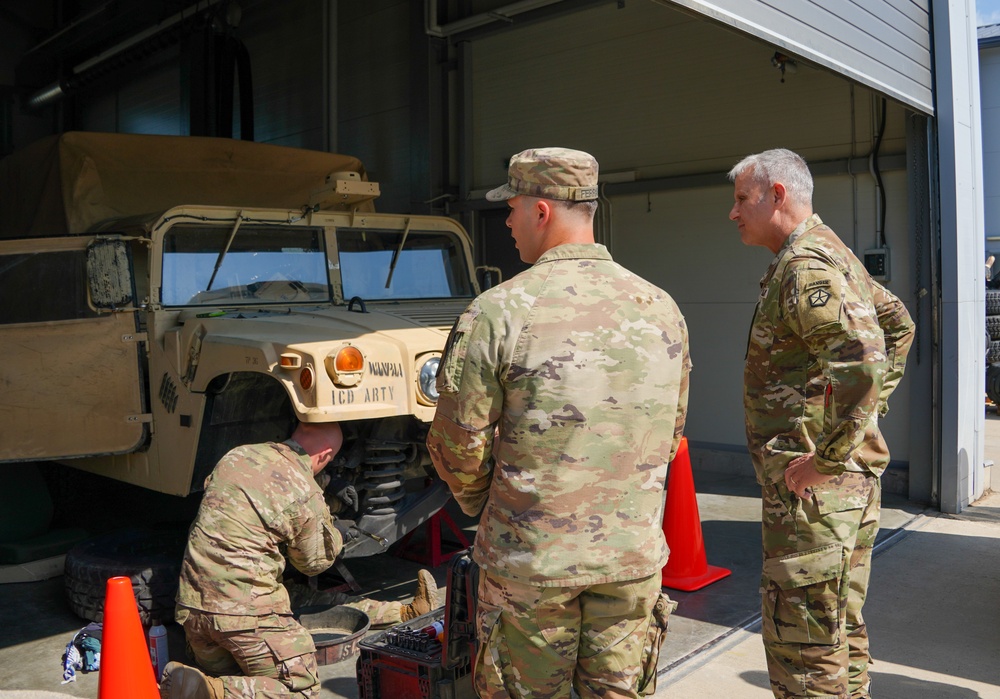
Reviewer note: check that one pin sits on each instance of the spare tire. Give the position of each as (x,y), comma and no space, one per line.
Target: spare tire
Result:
(993,383)
(993,351)
(150,558)
(992,302)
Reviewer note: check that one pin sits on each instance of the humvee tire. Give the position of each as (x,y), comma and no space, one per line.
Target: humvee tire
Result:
(151,559)
(992,302)
(993,383)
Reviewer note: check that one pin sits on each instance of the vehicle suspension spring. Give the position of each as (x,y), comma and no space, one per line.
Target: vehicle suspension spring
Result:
(384,465)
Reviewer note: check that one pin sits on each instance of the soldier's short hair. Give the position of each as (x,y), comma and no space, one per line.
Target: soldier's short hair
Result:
(588,207)
(778,165)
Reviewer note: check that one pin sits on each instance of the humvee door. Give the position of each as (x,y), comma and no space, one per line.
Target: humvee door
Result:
(71,379)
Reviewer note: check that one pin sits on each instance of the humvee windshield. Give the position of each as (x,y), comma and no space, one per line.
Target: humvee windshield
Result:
(261,265)
(268,264)
(374,266)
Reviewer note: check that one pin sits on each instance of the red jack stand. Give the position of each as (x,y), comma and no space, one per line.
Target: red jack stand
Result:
(431,554)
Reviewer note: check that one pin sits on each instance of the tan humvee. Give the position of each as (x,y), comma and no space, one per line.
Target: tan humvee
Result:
(164,299)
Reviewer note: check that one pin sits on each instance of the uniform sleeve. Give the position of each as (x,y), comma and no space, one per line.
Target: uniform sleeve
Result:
(315,543)
(842,331)
(898,330)
(460,440)
(682,398)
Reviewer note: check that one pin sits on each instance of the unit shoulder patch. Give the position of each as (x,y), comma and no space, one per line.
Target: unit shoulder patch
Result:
(818,296)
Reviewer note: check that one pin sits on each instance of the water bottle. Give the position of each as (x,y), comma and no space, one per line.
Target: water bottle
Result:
(158,654)
(434,631)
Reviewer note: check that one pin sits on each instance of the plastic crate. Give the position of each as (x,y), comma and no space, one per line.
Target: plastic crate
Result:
(385,675)
(397,663)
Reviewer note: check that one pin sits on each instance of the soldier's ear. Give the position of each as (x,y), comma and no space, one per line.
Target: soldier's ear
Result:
(322,459)
(779,194)
(543,211)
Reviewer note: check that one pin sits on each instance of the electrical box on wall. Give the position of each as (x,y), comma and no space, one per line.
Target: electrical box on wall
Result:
(877,263)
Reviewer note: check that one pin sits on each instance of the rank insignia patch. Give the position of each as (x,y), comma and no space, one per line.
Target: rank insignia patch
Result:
(819,298)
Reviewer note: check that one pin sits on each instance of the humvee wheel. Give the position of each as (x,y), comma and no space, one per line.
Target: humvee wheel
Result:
(151,559)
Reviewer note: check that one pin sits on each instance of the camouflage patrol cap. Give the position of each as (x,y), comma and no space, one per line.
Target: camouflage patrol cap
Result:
(550,173)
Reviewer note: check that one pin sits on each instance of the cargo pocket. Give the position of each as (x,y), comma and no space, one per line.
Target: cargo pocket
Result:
(232,623)
(491,657)
(293,652)
(848,491)
(802,596)
(655,635)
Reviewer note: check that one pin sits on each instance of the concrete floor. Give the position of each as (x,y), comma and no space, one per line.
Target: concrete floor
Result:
(712,625)
(931,614)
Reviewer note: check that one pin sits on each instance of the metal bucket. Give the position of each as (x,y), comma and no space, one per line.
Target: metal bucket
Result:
(336,631)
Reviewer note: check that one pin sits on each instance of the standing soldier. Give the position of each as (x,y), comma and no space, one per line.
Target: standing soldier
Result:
(261,502)
(827,348)
(563,393)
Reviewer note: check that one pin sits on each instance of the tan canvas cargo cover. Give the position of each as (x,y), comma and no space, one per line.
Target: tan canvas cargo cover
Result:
(67,183)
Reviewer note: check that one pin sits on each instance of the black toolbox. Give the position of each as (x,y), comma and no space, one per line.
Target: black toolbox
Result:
(402,663)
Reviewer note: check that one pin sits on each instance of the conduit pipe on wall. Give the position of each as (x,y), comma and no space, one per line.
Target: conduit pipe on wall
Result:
(501,14)
(138,45)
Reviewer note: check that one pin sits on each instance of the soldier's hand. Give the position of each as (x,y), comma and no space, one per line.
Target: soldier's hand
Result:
(801,475)
(344,492)
(348,532)
(322,479)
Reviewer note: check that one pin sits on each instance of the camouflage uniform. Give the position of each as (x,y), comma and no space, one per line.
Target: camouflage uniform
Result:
(261,503)
(563,393)
(827,347)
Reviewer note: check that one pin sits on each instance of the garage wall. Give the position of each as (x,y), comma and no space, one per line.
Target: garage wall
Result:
(17,126)
(374,99)
(654,93)
(656,89)
(286,44)
(146,100)
(285,41)
(682,241)
(371,91)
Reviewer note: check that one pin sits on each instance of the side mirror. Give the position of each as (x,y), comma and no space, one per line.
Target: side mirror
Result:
(488,277)
(109,274)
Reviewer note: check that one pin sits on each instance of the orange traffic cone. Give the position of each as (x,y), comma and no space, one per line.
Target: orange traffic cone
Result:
(687,568)
(126,670)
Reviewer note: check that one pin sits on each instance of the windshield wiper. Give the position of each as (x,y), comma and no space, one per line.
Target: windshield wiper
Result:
(396,253)
(224,250)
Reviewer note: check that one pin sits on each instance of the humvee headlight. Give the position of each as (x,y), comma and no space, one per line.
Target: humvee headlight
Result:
(345,366)
(427,381)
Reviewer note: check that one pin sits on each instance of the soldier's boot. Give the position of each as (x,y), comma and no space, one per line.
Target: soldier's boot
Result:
(424,600)
(185,682)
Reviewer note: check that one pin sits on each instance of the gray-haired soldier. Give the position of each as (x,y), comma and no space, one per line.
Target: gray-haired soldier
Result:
(563,393)
(261,503)
(827,348)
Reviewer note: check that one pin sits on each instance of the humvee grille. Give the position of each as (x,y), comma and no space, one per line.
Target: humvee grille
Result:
(441,317)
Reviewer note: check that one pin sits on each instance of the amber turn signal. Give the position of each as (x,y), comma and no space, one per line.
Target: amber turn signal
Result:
(345,366)
(349,359)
